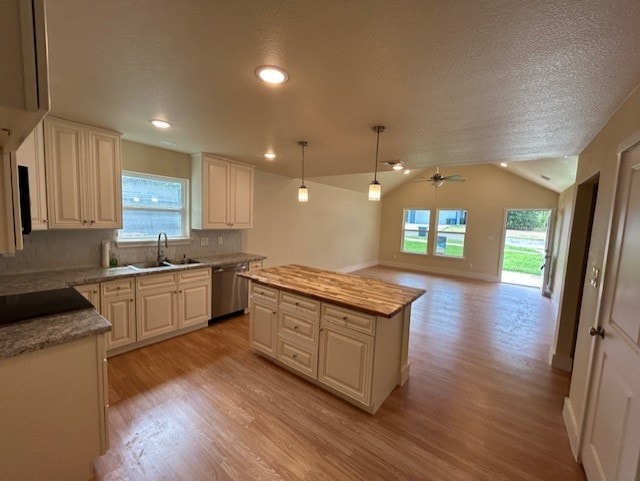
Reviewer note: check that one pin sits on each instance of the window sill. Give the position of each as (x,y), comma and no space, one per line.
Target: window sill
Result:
(152,242)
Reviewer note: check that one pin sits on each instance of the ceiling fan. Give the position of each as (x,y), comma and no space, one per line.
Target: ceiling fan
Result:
(437,179)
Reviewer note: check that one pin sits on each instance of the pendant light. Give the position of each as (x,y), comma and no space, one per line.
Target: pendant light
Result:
(375,189)
(303,192)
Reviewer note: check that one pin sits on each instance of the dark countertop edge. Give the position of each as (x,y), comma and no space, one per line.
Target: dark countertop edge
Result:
(339,302)
(89,275)
(35,334)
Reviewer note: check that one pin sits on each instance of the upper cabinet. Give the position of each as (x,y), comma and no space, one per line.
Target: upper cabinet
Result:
(31,155)
(24,82)
(84,175)
(221,193)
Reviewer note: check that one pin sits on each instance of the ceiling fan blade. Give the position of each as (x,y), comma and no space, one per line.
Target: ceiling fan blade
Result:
(454,178)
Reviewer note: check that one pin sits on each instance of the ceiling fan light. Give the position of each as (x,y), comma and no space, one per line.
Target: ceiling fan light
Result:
(375,191)
(303,194)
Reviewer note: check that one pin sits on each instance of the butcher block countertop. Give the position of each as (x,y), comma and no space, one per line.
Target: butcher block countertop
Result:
(367,295)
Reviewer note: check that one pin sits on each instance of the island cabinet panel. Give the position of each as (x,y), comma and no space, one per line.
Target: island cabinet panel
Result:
(297,326)
(299,356)
(263,326)
(346,361)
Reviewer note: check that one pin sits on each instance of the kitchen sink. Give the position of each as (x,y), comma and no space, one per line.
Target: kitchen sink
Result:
(141,266)
(181,262)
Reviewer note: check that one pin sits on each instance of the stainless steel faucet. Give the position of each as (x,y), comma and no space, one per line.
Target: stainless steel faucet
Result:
(166,244)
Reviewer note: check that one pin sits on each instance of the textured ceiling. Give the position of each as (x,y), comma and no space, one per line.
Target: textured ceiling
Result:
(454,82)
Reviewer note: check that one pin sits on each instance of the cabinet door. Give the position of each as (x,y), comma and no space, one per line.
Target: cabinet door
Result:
(195,303)
(215,193)
(90,292)
(263,327)
(157,312)
(31,155)
(104,199)
(64,151)
(346,361)
(120,312)
(241,196)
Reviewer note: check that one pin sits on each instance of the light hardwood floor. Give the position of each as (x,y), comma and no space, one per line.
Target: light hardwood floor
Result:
(482,402)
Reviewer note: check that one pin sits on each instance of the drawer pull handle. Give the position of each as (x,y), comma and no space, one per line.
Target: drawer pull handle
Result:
(294,356)
(344,318)
(297,303)
(295,327)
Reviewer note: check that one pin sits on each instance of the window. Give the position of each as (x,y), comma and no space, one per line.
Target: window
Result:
(153,204)
(452,227)
(416,231)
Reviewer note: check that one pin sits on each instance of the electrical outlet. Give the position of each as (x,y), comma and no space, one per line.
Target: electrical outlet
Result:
(204,241)
(470,265)
(220,240)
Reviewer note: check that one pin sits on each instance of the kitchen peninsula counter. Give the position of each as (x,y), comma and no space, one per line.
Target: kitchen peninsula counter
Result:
(345,333)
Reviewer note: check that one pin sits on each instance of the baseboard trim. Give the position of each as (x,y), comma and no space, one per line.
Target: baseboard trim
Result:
(357,267)
(563,362)
(572,428)
(444,272)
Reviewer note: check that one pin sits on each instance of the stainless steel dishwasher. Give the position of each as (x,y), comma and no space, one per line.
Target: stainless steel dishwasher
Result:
(229,291)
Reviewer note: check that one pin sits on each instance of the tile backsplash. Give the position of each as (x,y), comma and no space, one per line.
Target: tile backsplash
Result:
(63,249)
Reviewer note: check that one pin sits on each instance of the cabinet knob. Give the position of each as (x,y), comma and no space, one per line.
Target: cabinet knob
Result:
(118,287)
(294,356)
(274,313)
(344,318)
(297,303)
(84,222)
(295,327)
(131,299)
(93,222)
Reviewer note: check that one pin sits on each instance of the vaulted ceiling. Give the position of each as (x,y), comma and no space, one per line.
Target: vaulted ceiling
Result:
(454,82)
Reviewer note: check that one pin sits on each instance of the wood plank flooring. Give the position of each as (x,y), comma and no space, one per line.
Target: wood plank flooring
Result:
(481,403)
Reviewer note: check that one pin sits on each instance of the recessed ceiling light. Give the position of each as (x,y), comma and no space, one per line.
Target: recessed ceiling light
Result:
(406,172)
(503,164)
(271,74)
(161,124)
(168,143)
(270,155)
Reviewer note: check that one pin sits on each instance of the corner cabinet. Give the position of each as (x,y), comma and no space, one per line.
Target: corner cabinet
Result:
(221,193)
(84,176)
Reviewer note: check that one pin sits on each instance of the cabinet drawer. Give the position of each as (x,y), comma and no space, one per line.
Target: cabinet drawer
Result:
(298,327)
(155,280)
(299,357)
(121,286)
(300,304)
(194,275)
(264,293)
(358,321)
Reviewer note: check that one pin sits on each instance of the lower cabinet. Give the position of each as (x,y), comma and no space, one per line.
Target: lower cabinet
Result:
(151,306)
(263,326)
(118,306)
(346,358)
(355,355)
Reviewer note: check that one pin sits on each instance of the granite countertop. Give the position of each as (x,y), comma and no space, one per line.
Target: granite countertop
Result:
(43,281)
(367,295)
(35,334)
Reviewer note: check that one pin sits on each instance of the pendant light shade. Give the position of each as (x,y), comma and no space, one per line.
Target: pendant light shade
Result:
(303,192)
(375,189)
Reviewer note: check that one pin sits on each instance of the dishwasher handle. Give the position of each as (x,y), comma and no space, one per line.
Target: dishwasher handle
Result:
(233,268)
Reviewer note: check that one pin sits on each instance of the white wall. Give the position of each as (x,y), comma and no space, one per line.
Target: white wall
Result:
(336,229)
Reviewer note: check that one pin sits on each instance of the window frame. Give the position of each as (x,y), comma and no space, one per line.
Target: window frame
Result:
(185,236)
(437,231)
(402,237)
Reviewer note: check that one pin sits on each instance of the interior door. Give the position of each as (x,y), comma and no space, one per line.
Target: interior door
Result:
(611,450)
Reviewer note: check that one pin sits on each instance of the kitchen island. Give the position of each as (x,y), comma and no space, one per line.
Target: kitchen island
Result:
(345,333)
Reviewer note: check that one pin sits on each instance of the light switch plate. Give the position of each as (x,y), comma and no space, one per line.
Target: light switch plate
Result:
(220,240)
(204,241)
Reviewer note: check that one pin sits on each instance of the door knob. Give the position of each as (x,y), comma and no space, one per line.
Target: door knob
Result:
(597,332)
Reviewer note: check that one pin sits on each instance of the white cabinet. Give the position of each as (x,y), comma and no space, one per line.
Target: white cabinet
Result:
(263,318)
(172,301)
(346,361)
(91,292)
(221,193)
(24,82)
(84,176)
(54,414)
(117,305)
(31,155)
